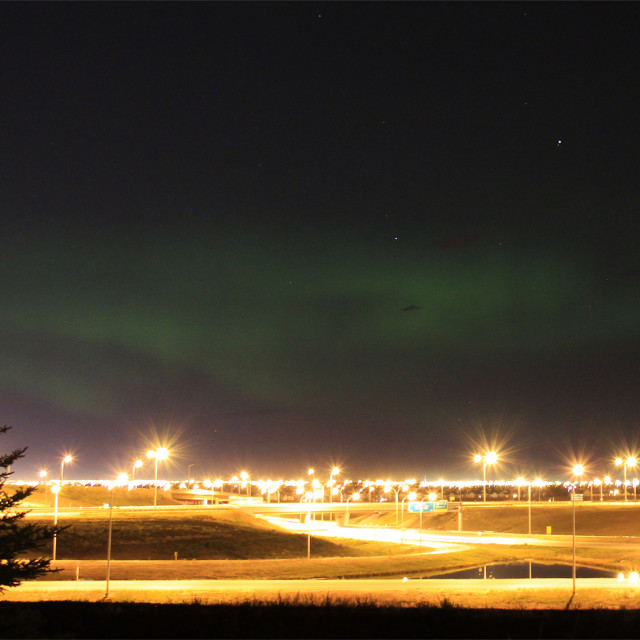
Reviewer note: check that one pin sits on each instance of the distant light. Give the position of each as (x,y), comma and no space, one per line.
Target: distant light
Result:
(634,577)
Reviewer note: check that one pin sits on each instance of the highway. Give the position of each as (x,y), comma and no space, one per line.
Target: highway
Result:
(389,590)
(445,541)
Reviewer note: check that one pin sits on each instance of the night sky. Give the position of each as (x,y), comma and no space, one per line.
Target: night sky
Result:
(283,235)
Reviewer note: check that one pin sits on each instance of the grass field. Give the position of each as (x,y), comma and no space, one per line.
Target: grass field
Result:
(591,519)
(222,534)
(227,543)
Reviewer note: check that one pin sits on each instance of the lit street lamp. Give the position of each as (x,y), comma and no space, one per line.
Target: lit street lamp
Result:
(55,489)
(631,461)
(160,454)
(388,488)
(136,465)
(491,457)
(355,496)
(66,460)
(529,485)
(123,478)
(246,479)
(411,496)
(307,498)
(578,470)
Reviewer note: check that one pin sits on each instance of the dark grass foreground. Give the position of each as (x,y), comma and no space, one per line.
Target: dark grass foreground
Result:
(130,620)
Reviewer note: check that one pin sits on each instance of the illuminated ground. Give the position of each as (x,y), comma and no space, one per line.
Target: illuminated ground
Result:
(516,594)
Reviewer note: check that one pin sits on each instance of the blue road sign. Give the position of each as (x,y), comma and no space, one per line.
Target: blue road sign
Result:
(427,507)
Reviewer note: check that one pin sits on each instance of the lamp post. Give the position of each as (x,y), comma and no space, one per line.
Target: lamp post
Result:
(193,464)
(334,472)
(312,480)
(55,489)
(355,496)
(491,457)
(66,460)
(529,485)
(122,478)
(307,498)
(388,488)
(136,465)
(246,479)
(410,496)
(631,461)
(578,470)
(160,454)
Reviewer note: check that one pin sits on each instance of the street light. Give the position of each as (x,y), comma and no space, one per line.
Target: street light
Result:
(122,478)
(631,461)
(55,489)
(160,454)
(66,460)
(246,479)
(307,498)
(529,486)
(388,488)
(334,472)
(355,496)
(578,470)
(491,457)
(411,496)
(136,465)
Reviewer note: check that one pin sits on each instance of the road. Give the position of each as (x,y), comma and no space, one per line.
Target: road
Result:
(396,590)
(444,542)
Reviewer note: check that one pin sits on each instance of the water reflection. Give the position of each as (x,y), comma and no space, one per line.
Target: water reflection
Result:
(524,570)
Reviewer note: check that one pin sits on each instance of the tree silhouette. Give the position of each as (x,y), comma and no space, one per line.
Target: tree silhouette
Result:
(17,537)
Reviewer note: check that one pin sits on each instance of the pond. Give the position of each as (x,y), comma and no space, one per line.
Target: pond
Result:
(521,570)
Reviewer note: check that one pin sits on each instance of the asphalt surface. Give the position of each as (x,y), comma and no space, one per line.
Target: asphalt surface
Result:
(412,590)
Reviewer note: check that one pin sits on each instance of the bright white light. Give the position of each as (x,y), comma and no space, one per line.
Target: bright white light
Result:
(634,577)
